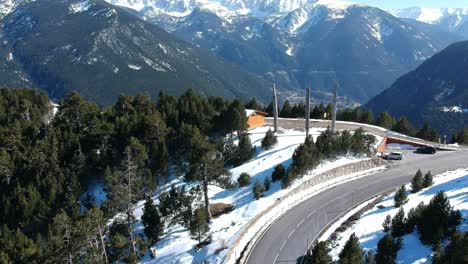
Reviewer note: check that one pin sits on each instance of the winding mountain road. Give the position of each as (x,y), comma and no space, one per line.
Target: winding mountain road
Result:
(288,237)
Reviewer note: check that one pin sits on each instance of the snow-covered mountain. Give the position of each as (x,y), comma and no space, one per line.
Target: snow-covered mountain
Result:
(103,51)
(300,43)
(224,8)
(451,19)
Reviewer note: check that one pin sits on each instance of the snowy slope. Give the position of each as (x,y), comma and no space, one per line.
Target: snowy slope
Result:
(178,247)
(369,227)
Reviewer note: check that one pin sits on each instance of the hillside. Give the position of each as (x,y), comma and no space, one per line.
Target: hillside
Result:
(102,51)
(436,92)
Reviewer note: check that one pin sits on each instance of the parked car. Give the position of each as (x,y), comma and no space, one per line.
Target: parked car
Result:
(395,156)
(426,150)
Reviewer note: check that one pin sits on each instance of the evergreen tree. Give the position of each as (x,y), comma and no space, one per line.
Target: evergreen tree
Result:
(385,120)
(286,111)
(351,252)
(428,133)
(387,249)
(235,118)
(125,185)
(258,189)
(198,225)
(152,222)
(15,247)
(269,140)
(278,173)
(387,224)
(207,165)
(455,252)
(253,104)
(367,117)
(245,150)
(267,183)
(417,183)
(438,219)
(369,258)
(428,180)
(319,254)
(399,224)
(244,179)
(405,127)
(400,197)
(461,137)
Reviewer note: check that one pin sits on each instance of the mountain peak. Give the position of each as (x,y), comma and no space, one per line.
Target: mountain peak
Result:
(228,8)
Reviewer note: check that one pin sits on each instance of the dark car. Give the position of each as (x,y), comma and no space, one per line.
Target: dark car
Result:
(426,150)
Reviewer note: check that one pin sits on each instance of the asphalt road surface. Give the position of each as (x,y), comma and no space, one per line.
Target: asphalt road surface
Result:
(287,239)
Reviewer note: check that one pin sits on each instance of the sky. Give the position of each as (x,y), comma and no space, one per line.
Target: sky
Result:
(409,3)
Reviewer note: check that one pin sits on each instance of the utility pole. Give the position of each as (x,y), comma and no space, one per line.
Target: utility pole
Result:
(275,109)
(307,112)
(334,107)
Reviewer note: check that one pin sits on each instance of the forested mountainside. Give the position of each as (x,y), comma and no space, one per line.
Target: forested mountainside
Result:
(103,51)
(436,92)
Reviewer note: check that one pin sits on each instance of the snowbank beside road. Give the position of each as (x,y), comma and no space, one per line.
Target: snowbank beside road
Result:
(369,227)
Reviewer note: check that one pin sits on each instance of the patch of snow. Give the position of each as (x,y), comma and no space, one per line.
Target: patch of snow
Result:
(116,70)
(9,56)
(369,227)
(80,7)
(453,109)
(163,48)
(401,146)
(134,67)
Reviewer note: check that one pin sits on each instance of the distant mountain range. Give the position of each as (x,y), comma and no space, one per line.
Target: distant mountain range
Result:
(436,92)
(220,47)
(450,19)
(301,43)
(102,51)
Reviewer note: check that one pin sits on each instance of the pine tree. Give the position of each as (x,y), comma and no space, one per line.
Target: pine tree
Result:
(286,111)
(405,127)
(351,252)
(278,173)
(267,183)
(269,140)
(455,252)
(399,224)
(417,183)
(438,219)
(428,180)
(198,225)
(152,222)
(258,189)
(369,258)
(387,249)
(244,179)
(387,224)
(319,254)
(400,197)
(245,150)
(253,104)
(207,165)
(385,120)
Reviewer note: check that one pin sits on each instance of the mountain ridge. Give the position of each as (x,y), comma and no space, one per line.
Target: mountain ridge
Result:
(115,53)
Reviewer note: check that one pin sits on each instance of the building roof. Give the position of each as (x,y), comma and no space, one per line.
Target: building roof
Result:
(249,112)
